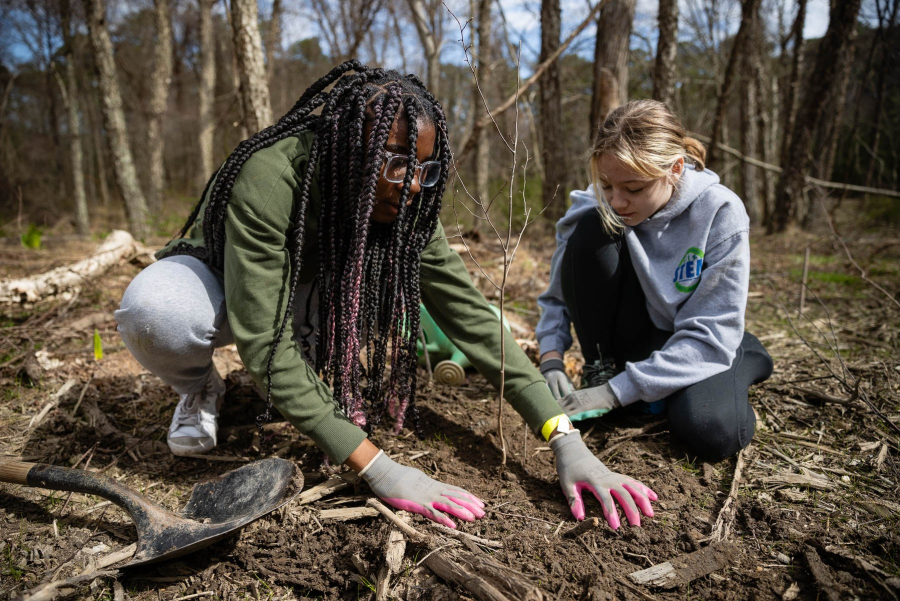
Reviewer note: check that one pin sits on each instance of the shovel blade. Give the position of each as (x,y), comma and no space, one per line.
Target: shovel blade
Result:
(216,509)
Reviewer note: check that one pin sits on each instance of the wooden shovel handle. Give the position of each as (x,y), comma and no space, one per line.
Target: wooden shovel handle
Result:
(15,472)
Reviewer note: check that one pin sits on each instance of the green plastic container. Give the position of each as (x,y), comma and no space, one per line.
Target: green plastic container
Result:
(448,362)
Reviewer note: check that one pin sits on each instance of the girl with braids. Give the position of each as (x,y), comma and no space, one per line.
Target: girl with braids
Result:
(315,240)
(653,267)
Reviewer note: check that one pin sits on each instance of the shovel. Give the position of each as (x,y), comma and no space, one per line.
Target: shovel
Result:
(216,508)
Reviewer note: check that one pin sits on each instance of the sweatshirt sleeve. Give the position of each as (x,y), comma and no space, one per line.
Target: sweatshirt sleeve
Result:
(463,314)
(553,331)
(257,269)
(709,327)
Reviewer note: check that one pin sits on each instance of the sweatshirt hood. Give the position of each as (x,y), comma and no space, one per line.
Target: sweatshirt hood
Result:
(692,184)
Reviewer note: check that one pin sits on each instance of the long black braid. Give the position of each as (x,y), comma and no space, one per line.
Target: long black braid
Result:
(368,273)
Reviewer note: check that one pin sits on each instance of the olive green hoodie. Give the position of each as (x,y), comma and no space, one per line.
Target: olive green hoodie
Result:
(257,267)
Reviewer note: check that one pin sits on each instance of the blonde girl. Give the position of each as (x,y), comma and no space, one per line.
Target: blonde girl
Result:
(652,267)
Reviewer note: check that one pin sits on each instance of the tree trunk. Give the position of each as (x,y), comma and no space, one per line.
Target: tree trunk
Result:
(114,119)
(207,89)
(254,89)
(837,40)
(98,146)
(749,8)
(159,96)
(792,92)
(553,187)
(829,133)
(764,119)
(748,138)
(879,97)
(429,43)
(611,52)
(273,38)
(69,92)
(482,163)
(666,52)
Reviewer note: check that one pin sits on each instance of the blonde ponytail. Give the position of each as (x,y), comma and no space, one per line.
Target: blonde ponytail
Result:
(695,151)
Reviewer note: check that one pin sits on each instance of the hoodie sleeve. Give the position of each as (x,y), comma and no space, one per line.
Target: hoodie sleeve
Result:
(553,330)
(709,327)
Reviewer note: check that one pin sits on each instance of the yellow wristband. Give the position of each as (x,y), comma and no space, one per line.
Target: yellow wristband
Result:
(560,422)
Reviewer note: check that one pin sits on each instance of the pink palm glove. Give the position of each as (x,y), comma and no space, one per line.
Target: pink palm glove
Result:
(409,489)
(579,469)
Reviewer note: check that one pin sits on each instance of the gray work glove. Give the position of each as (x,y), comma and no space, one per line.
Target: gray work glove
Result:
(580,469)
(554,371)
(590,402)
(409,489)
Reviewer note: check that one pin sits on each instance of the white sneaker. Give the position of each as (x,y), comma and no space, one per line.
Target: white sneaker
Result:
(194,426)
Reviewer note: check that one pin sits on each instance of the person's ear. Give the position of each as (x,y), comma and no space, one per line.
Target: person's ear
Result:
(677,170)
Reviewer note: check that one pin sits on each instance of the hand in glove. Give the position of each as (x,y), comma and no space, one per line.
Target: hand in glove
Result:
(554,371)
(590,402)
(409,489)
(579,469)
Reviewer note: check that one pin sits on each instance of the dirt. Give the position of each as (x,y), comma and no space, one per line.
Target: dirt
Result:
(816,506)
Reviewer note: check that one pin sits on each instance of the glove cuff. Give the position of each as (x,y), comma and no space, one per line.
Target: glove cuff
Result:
(548,365)
(562,440)
(376,467)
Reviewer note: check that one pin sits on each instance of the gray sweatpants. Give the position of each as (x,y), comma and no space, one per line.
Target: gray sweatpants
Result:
(172,317)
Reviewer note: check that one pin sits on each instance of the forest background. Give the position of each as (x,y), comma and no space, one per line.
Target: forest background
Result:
(115,109)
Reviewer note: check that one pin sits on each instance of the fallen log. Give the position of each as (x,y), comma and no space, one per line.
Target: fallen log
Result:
(118,247)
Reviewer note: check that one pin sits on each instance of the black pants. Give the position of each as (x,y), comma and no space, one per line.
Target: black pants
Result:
(604,298)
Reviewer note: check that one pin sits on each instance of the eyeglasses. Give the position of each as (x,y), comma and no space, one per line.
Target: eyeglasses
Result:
(395,170)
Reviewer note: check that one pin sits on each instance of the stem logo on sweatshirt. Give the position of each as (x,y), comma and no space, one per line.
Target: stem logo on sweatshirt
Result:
(687,274)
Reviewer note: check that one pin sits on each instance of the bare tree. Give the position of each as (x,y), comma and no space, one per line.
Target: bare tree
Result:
(69,92)
(749,113)
(882,80)
(837,40)
(254,88)
(553,187)
(611,51)
(345,24)
(766,88)
(425,19)
(273,37)
(114,119)
(159,96)
(207,87)
(481,82)
(792,90)
(749,8)
(666,51)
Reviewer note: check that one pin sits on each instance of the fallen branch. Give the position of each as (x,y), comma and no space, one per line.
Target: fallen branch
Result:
(809,179)
(55,400)
(722,528)
(480,575)
(326,488)
(60,589)
(117,247)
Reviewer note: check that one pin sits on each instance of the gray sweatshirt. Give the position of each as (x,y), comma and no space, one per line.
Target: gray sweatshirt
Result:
(692,259)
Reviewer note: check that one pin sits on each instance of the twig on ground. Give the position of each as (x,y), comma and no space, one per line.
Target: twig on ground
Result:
(803,284)
(54,401)
(722,528)
(477,539)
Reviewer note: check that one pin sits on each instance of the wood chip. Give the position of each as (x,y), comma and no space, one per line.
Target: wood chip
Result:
(686,568)
(344,514)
